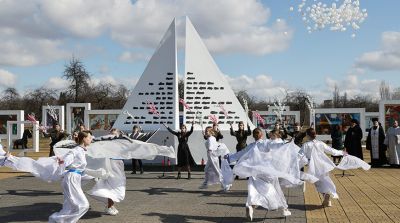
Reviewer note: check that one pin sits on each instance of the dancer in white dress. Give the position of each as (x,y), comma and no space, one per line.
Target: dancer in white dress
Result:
(3,156)
(112,188)
(75,202)
(263,189)
(213,174)
(320,165)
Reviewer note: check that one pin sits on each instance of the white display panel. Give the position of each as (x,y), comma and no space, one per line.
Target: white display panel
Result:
(75,115)
(11,115)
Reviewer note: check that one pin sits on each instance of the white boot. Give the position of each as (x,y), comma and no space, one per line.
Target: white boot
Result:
(286,212)
(115,209)
(111,211)
(249,212)
(227,187)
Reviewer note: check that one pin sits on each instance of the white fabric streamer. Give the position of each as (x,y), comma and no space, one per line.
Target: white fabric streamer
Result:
(45,168)
(281,163)
(114,186)
(351,162)
(227,173)
(125,149)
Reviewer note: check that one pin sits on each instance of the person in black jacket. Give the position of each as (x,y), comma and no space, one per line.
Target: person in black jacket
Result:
(241,136)
(337,140)
(375,144)
(56,134)
(185,158)
(136,135)
(352,142)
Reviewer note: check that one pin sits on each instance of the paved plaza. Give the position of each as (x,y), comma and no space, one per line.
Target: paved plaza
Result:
(148,199)
(365,196)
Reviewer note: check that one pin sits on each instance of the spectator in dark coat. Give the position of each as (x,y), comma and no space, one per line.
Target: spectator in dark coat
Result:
(337,140)
(352,142)
(56,134)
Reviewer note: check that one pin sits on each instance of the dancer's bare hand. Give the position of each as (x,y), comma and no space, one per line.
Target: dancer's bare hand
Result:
(60,161)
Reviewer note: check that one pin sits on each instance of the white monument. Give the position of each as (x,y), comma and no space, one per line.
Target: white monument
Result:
(75,115)
(270,118)
(389,111)
(157,87)
(51,114)
(325,118)
(11,115)
(207,93)
(21,124)
(100,122)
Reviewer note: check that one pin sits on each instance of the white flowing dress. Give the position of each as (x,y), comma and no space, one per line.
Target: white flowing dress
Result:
(75,202)
(213,174)
(320,164)
(258,163)
(113,186)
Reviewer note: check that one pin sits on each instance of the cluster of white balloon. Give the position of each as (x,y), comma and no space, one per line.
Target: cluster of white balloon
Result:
(318,15)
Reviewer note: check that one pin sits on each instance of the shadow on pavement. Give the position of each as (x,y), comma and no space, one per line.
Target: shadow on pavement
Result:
(174,218)
(31,193)
(166,191)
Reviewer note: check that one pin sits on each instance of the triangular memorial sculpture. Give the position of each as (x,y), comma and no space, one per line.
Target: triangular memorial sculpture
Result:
(208,95)
(157,88)
(207,92)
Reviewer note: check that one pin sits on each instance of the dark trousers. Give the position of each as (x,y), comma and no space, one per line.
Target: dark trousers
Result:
(134,165)
(51,153)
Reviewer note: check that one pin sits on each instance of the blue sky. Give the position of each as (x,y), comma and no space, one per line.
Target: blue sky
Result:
(261,46)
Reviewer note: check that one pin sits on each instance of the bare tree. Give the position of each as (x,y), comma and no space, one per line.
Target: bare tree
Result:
(78,77)
(396,94)
(336,97)
(344,100)
(251,101)
(384,91)
(297,101)
(11,99)
(34,100)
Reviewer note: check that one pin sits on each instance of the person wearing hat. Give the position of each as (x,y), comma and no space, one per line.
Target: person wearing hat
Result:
(352,141)
(375,144)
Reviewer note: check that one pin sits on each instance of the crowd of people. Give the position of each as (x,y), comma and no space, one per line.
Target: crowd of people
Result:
(384,148)
(268,164)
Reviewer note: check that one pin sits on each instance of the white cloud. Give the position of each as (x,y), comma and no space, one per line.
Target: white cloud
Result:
(353,86)
(131,57)
(386,58)
(57,83)
(228,26)
(129,83)
(104,79)
(27,52)
(7,79)
(39,32)
(262,86)
(104,69)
